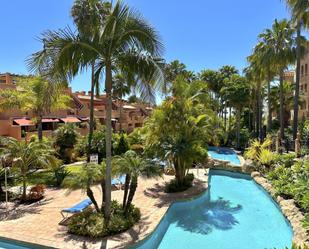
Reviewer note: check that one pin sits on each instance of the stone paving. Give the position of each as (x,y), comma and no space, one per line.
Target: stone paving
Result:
(39,223)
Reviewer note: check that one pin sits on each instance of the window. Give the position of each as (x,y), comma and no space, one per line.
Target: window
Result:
(306,69)
(305,87)
(302,70)
(301,87)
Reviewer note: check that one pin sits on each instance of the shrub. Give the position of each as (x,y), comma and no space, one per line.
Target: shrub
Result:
(266,157)
(286,160)
(66,138)
(91,224)
(173,186)
(60,173)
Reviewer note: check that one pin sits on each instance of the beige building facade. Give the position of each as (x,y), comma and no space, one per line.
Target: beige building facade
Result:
(304,86)
(20,125)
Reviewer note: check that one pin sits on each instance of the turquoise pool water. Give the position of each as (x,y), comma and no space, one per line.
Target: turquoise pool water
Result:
(234,213)
(11,245)
(225,154)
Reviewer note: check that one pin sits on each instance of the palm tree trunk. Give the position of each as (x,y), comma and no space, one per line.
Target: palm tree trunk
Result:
(281,107)
(260,103)
(108,123)
(120,117)
(296,96)
(133,188)
(24,194)
(40,128)
(269,118)
(91,197)
(238,129)
(103,194)
(126,190)
(91,121)
(230,118)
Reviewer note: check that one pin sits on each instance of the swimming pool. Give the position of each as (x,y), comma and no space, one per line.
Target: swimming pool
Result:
(225,154)
(234,212)
(12,244)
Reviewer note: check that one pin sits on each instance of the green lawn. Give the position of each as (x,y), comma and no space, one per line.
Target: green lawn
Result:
(46,177)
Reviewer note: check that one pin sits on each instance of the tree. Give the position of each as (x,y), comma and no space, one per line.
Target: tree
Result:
(180,128)
(65,138)
(280,42)
(84,180)
(300,18)
(124,43)
(36,95)
(237,92)
(133,165)
(28,156)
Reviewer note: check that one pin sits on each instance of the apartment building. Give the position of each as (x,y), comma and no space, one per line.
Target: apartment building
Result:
(304,86)
(19,125)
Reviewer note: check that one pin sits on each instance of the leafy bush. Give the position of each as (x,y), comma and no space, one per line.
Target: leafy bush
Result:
(173,186)
(60,173)
(66,138)
(293,182)
(287,159)
(91,224)
(254,150)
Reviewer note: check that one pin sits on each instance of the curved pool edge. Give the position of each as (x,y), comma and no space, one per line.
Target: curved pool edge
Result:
(24,243)
(140,240)
(287,207)
(298,239)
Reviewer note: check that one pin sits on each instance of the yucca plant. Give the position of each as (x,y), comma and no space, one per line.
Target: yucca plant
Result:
(256,147)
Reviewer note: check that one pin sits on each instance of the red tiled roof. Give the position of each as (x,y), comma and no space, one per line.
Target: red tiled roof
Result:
(70,120)
(23,122)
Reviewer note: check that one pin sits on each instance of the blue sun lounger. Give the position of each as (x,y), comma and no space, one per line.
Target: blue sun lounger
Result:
(80,207)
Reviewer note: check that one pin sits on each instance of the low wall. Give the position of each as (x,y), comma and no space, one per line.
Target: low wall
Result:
(288,208)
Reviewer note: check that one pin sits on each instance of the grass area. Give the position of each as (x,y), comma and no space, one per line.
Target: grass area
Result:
(46,177)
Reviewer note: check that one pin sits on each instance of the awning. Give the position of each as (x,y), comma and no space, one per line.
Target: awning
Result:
(129,107)
(84,118)
(113,119)
(23,122)
(50,120)
(70,120)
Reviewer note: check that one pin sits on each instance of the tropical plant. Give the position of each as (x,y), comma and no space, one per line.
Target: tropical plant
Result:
(236,91)
(36,95)
(66,137)
(300,19)
(133,166)
(90,175)
(124,43)
(280,41)
(182,141)
(253,152)
(28,156)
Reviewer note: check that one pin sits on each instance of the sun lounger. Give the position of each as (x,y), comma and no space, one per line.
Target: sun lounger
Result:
(80,207)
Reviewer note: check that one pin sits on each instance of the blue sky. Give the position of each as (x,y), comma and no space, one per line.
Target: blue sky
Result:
(200,33)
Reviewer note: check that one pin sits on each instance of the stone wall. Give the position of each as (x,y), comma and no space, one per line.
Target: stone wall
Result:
(288,208)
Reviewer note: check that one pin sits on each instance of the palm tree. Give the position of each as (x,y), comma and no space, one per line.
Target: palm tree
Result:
(84,180)
(133,165)
(237,92)
(36,95)
(26,156)
(125,43)
(182,141)
(280,42)
(300,17)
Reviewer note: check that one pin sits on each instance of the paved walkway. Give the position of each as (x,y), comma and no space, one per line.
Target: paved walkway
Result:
(39,223)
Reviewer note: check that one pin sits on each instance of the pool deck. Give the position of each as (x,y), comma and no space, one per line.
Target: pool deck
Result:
(38,223)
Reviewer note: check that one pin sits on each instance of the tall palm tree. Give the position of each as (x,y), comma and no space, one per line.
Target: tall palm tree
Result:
(237,92)
(300,17)
(125,43)
(36,95)
(280,42)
